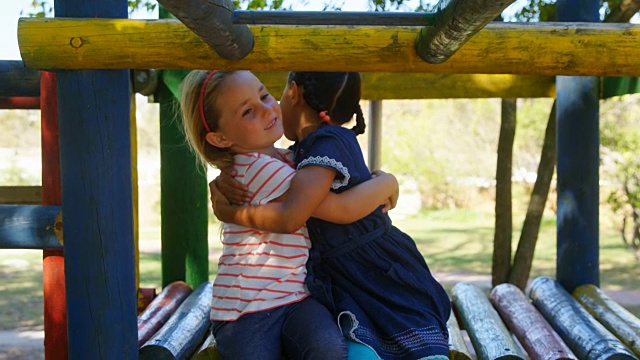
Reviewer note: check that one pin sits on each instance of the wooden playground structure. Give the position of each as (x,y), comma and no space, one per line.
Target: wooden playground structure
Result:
(78,65)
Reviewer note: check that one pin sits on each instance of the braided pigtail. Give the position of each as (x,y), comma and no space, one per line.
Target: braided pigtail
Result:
(359,127)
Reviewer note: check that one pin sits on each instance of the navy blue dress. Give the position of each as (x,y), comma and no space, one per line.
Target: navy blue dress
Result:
(369,273)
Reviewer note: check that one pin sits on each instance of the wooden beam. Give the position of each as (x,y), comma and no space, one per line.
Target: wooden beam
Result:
(500,48)
(456,22)
(17,80)
(30,227)
(19,103)
(212,20)
(398,86)
(24,195)
(350,18)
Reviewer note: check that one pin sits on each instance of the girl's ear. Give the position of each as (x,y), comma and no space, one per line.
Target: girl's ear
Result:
(218,140)
(294,93)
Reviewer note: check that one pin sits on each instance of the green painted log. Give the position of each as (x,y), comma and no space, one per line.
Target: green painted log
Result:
(456,22)
(489,335)
(499,48)
(184,202)
(580,331)
(457,346)
(185,330)
(529,326)
(618,320)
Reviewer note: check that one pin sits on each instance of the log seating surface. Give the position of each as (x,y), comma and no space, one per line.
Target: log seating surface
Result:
(543,324)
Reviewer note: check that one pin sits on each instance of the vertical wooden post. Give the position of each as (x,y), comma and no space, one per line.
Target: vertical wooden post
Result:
(375,134)
(578,162)
(95,154)
(55,308)
(184,202)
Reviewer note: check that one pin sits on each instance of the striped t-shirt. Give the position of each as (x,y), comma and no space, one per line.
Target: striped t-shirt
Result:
(259,270)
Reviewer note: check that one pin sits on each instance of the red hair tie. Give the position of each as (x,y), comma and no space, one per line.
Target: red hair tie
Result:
(324,115)
(201,101)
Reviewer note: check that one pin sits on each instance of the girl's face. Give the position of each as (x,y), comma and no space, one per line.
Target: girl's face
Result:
(250,118)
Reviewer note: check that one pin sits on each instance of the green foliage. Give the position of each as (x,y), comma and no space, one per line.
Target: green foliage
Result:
(537,10)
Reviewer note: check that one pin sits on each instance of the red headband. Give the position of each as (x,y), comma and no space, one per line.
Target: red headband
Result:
(201,102)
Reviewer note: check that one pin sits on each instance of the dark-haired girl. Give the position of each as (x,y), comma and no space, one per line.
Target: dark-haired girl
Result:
(368,273)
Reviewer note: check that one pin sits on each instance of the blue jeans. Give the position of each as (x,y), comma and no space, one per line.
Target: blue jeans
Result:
(303,330)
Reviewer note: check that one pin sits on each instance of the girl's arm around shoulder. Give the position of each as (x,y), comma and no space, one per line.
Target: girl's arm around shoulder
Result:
(361,200)
(309,187)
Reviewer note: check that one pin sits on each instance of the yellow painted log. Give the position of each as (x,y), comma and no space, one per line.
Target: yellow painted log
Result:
(500,48)
(387,86)
(618,320)
(457,346)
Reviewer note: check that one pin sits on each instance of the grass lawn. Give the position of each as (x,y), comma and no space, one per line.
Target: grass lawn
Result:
(456,241)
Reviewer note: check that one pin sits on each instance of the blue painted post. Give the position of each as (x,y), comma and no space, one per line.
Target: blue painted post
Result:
(578,160)
(95,153)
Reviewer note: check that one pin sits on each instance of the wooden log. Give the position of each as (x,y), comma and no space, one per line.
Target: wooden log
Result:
(529,326)
(30,227)
(350,18)
(456,22)
(54,289)
(489,335)
(208,350)
(397,86)
(457,346)
(213,21)
(184,331)
(18,80)
(20,103)
(161,309)
(580,331)
(536,48)
(618,320)
(20,195)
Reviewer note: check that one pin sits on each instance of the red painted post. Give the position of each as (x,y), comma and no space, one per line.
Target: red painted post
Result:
(55,309)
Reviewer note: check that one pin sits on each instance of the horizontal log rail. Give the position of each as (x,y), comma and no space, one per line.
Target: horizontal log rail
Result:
(31,227)
(505,48)
(347,18)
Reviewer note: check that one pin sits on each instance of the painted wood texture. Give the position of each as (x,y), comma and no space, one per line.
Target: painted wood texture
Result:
(532,330)
(20,103)
(185,202)
(53,284)
(18,80)
(505,48)
(618,320)
(489,335)
(351,18)
(208,350)
(20,195)
(29,227)
(212,21)
(95,153)
(185,330)
(586,337)
(161,309)
(394,86)
(456,22)
(457,346)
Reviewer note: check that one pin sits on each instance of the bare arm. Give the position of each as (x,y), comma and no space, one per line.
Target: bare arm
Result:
(309,187)
(359,201)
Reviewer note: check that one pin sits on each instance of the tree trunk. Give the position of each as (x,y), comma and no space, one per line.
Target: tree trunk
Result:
(503,227)
(523,259)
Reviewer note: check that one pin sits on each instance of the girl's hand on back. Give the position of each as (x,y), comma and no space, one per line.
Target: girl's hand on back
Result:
(234,191)
(392,201)
(221,205)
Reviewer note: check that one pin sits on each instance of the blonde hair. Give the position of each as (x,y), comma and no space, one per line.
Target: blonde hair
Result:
(194,129)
